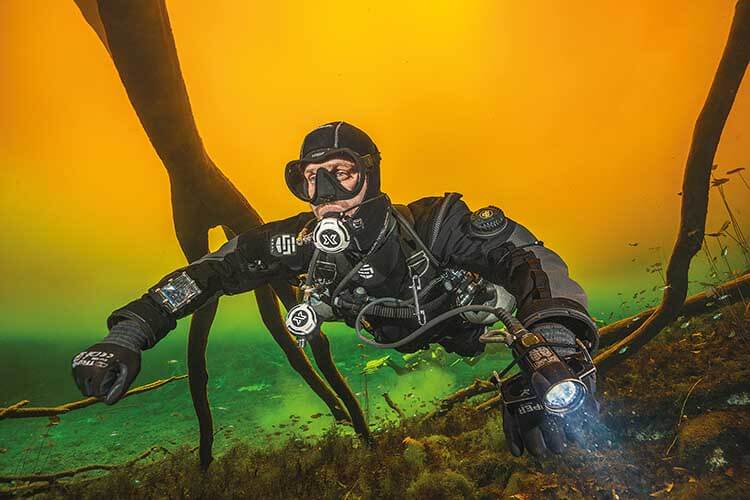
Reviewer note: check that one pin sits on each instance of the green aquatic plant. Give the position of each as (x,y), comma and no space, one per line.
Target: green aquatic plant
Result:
(738,171)
(443,485)
(739,236)
(260,386)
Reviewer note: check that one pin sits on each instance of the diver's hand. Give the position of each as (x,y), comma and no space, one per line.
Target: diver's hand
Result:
(106,371)
(529,426)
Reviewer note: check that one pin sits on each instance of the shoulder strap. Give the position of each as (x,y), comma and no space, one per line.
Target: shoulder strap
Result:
(411,235)
(448,200)
(406,213)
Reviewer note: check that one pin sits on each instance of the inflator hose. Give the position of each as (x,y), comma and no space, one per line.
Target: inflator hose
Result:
(510,322)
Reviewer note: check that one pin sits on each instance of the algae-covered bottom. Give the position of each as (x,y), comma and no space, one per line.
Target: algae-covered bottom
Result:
(462,454)
(255,395)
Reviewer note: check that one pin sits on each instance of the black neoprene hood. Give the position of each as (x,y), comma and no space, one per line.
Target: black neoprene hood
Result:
(334,140)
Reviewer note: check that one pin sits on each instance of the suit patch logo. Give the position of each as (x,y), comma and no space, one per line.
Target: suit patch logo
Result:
(366,272)
(283,244)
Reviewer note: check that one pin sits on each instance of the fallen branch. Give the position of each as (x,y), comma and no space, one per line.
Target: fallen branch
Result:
(42,481)
(478,387)
(695,186)
(17,410)
(490,403)
(394,406)
(732,291)
(4,412)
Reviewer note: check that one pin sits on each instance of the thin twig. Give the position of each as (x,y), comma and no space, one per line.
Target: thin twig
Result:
(490,403)
(50,478)
(679,419)
(478,387)
(394,406)
(351,489)
(16,410)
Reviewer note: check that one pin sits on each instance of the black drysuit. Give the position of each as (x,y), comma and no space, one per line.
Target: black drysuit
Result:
(505,253)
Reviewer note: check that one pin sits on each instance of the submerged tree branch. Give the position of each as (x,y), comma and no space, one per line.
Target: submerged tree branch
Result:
(706,135)
(719,296)
(17,410)
(86,468)
(393,406)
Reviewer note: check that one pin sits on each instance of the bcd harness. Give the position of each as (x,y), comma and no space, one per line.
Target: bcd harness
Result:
(432,283)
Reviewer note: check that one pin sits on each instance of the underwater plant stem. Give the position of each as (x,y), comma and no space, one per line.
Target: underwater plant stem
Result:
(710,257)
(394,406)
(696,182)
(740,239)
(321,349)
(679,418)
(200,326)
(731,273)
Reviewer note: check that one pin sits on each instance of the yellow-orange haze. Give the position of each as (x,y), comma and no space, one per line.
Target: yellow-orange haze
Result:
(574,117)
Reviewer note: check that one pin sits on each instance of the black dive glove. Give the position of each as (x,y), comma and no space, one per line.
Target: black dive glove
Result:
(106,370)
(527,424)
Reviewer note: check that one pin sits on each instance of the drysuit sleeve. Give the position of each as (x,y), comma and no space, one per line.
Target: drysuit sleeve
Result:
(506,253)
(242,264)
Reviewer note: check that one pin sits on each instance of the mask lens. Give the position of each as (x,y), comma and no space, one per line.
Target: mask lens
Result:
(327,183)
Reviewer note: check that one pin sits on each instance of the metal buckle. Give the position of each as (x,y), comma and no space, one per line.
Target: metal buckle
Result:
(416,286)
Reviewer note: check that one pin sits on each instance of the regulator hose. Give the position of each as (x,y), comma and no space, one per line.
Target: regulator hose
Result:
(511,323)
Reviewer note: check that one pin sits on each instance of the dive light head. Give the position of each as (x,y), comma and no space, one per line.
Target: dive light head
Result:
(564,396)
(558,387)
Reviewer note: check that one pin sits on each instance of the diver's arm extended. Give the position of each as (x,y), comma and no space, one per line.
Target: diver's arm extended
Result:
(545,293)
(248,261)
(549,303)
(242,264)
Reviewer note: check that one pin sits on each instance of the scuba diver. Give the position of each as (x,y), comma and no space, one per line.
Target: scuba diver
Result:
(404,277)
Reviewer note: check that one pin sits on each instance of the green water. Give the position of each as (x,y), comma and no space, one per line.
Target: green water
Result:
(255,395)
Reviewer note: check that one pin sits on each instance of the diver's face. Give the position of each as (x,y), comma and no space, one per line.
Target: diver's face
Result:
(346,172)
